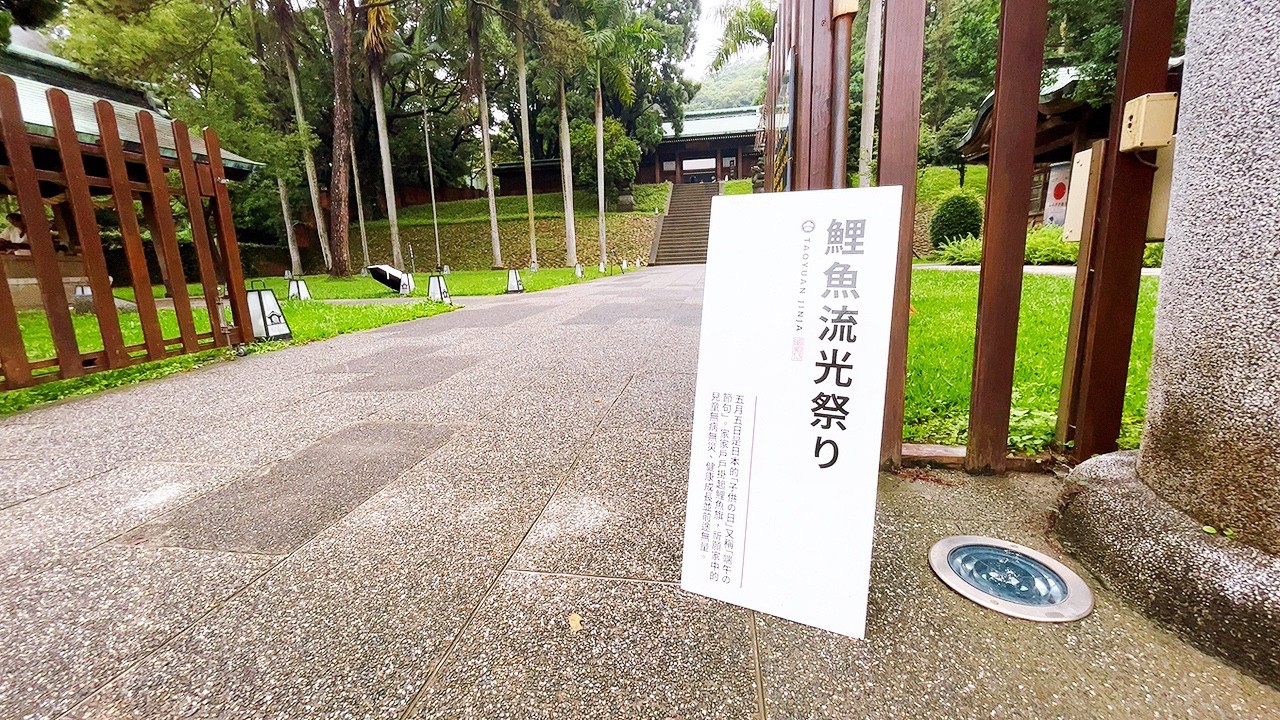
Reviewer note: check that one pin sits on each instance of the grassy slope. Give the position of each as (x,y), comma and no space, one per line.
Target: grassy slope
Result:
(940,364)
(738,187)
(465,240)
(649,199)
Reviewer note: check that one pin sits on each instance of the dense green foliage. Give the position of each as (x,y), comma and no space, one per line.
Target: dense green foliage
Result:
(621,154)
(958,215)
(1045,246)
(223,64)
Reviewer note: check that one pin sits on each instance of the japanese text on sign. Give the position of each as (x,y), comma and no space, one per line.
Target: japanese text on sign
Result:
(790,402)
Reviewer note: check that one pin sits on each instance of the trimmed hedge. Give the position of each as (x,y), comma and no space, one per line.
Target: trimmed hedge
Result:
(959,215)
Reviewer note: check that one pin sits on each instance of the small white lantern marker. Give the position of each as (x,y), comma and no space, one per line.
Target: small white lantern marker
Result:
(265,315)
(438,290)
(298,289)
(577,270)
(514,285)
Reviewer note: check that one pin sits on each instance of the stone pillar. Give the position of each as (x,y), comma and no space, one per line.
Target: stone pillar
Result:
(1212,442)
(1210,456)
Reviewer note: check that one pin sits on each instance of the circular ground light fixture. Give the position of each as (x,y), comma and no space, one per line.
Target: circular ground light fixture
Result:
(1011,579)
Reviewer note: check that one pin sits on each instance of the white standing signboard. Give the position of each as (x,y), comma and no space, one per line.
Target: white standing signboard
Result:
(790,401)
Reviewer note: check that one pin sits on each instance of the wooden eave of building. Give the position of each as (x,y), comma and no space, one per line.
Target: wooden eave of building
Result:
(1065,125)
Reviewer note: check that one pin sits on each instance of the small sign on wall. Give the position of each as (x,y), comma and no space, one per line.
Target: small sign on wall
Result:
(1055,201)
(790,402)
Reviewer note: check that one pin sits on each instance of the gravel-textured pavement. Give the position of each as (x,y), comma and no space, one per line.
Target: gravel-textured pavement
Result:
(478,515)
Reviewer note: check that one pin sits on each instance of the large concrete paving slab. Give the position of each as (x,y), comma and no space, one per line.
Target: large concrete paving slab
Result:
(478,515)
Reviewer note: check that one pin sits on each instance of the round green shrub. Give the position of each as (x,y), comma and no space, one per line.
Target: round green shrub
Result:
(959,215)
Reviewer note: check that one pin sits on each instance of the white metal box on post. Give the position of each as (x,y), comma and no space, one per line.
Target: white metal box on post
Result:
(1078,195)
(1158,215)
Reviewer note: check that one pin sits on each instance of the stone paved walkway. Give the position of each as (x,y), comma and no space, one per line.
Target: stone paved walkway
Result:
(401,524)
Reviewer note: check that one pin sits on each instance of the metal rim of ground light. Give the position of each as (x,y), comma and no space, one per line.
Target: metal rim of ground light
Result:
(1077,604)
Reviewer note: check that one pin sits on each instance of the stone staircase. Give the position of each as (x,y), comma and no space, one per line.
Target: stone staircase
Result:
(683,240)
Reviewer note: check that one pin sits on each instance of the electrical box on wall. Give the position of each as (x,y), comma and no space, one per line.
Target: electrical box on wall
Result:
(1148,121)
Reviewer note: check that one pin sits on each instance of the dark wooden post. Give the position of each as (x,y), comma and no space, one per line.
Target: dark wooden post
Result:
(1115,260)
(131,236)
(199,228)
(13,353)
(843,10)
(85,226)
(899,147)
(813,73)
(160,218)
(43,255)
(227,238)
(1012,158)
(1064,433)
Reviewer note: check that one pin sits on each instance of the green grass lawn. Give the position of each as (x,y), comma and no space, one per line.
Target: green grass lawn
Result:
(738,187)
(940,359)
(461,283)
(649,199)
(309,321)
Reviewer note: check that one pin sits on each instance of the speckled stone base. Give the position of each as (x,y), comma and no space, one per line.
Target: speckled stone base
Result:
(1221,594)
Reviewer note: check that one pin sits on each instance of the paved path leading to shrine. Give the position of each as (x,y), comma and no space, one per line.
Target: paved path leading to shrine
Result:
(478,515)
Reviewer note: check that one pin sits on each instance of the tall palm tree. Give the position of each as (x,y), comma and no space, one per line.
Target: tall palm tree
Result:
(514,10)
(747,24)
(475,79)
(378,41)
(431,23)
(286,26)
(615,40)
(561,50)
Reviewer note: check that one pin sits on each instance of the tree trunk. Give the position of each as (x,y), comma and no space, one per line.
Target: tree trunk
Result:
(308,160)
(604,253)
(870,91)
(295,259)
(355,183)
(566,180)
(431,180)
(524,145)
(339,27)
(488,174)
(388,184)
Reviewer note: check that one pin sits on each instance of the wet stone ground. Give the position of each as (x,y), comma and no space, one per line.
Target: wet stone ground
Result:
(478,515)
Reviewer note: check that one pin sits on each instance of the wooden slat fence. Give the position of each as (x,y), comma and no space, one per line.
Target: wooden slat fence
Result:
(45,171)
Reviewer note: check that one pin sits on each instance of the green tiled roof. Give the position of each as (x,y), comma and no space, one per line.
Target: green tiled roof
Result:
(726,122)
